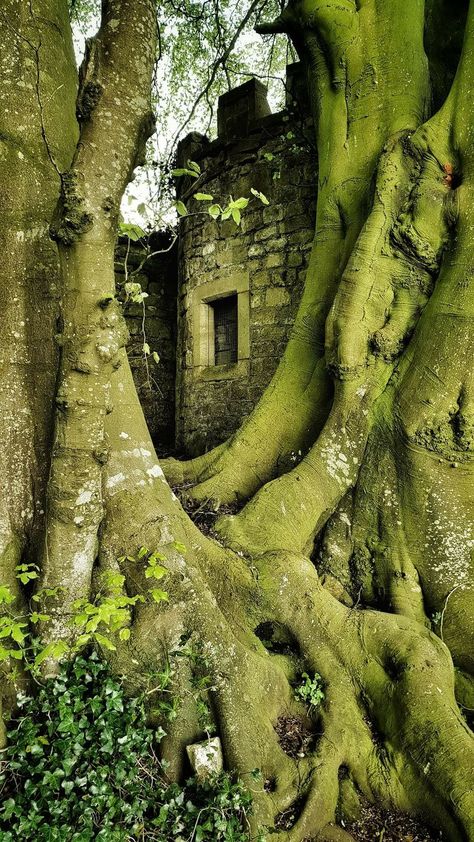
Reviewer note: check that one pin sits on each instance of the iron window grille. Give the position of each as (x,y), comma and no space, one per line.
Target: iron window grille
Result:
(225,330)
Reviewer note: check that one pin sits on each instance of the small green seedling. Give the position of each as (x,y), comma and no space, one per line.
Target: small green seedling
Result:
(310,690)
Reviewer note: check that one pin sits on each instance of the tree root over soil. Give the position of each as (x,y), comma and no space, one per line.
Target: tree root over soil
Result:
(389,729)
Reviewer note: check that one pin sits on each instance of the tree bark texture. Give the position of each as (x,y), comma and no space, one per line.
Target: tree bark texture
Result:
(346,557)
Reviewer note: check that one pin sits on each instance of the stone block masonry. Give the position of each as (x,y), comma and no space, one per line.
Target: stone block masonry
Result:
(259,266)
(157,276)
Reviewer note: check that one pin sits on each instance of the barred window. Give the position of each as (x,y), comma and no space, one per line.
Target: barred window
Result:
(225,330)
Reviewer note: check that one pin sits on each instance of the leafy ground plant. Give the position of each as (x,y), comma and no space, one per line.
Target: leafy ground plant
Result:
(80,765)
(310,690)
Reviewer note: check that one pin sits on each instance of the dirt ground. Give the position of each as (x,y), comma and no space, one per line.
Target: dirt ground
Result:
(379,826)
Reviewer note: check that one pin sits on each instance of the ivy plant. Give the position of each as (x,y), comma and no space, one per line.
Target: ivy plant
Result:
(80,765)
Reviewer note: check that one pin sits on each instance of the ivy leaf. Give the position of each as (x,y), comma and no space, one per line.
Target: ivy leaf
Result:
(8,808)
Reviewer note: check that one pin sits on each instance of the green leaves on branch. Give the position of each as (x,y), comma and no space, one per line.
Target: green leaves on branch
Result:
(6,596)
(111,614)
(26,572)
(260,196)
(47,593)
(148,352)
(153,570)
(132,231)
(96,620)
(192,169)
(134,292)
(12,631)
(136,295)
(12,628)
(55,650)
(233,209)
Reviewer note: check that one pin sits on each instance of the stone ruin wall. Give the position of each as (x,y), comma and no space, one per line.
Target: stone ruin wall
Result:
(264,260)
(189,402)
(158,277)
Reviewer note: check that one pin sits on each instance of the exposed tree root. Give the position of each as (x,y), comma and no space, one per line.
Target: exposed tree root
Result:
(379,672)
(388,716)
(294,407)
(387,727)
(378,303)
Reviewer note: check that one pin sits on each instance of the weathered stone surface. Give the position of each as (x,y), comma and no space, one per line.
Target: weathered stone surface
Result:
(271,245)
(158,278)
(263,261)
(206,758)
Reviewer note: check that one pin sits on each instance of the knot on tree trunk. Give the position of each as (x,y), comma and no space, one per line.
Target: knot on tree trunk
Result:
(73,220)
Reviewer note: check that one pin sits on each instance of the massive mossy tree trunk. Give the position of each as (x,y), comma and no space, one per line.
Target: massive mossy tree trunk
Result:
(374,388)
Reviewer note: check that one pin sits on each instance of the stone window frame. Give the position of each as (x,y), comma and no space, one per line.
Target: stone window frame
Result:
(203,327)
